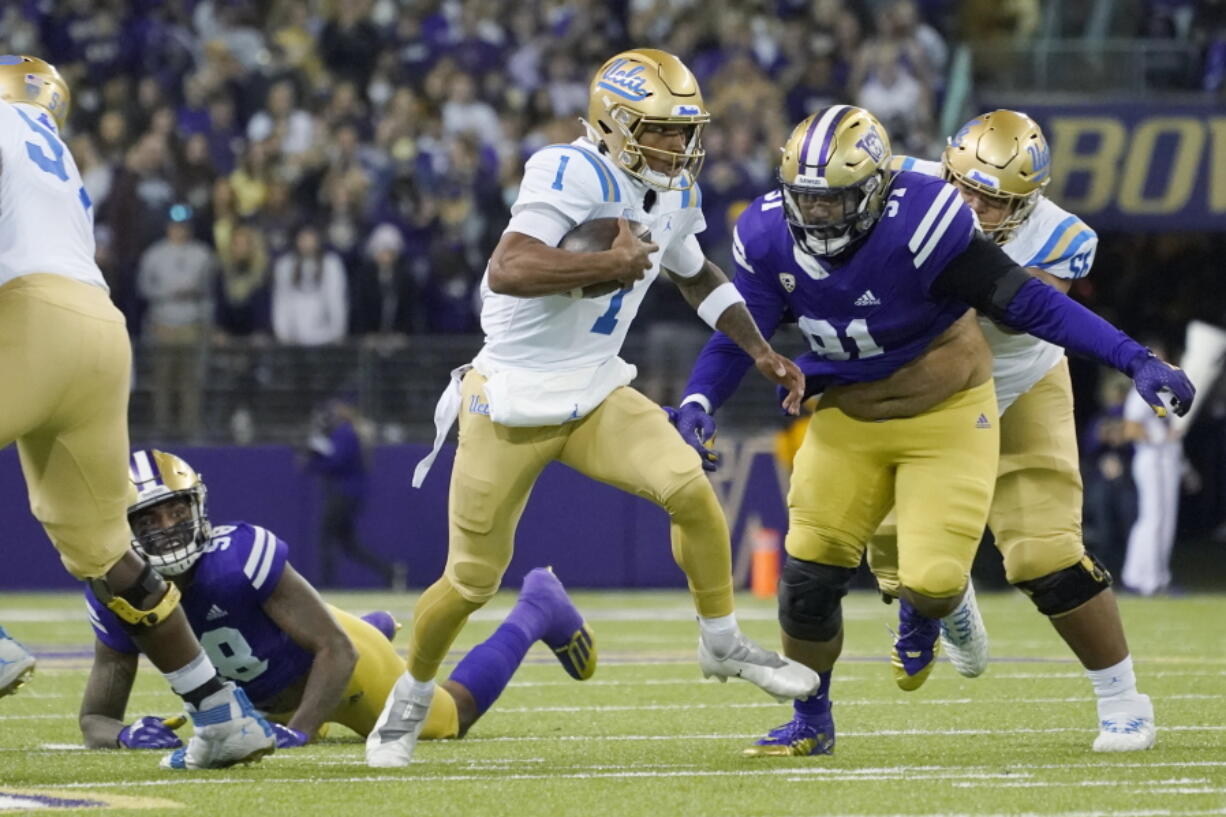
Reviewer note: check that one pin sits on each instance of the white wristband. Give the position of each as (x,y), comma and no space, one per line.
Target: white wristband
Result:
(700,399)
(715,304)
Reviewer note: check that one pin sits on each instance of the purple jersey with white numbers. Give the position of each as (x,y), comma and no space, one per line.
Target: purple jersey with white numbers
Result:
(863,317)
(224,604)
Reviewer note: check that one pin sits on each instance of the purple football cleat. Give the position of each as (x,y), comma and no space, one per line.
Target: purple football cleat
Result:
(565,633)
(915,647)
(799,737)
(384,622)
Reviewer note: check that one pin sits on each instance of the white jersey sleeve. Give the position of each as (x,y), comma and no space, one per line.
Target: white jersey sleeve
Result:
(682,254)
(46,217)
(1058,242)
(564,186)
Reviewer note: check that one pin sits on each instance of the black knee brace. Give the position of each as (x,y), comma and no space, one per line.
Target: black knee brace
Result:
(1065,590)
(809,599)
(145,602)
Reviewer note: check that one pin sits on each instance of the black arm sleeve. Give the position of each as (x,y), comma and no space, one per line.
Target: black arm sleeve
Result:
(982,276)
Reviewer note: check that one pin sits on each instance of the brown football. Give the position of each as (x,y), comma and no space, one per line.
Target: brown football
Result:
(595,236)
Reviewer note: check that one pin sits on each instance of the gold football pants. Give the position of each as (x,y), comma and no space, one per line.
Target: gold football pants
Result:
(377,670)
(938,468)
(1036,510)
(65,362)
(626,442)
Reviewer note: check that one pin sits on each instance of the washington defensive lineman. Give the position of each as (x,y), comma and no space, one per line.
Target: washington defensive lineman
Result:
(302,661)
(879,269)
(64,348)
(549,385)
(1000,163)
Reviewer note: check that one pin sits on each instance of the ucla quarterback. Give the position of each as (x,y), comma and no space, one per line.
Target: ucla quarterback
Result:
(549,384)
(301,661)
(1000,163)
(65,349)
(880,270)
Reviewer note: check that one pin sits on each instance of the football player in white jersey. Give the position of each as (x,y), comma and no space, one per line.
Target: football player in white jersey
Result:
(549,385)
(64,352)
(1000,163)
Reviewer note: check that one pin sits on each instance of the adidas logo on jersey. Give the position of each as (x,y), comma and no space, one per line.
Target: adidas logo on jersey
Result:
(215,613)
(983,422)
(868,299)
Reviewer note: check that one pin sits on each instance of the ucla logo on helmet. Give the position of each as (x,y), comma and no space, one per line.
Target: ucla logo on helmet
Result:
(1040,160)
(872,144)
(622,80)
(686,110)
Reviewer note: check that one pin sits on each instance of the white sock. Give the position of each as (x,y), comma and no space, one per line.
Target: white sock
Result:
(419,689)
(1114,680)
(193,675)
(719,633)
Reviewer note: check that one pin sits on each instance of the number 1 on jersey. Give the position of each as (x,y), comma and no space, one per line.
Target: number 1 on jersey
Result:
(607,322)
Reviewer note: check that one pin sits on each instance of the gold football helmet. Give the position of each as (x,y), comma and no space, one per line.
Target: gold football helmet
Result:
(158,477)
(1001,155)
(834,176)
(640,88)
(30,80)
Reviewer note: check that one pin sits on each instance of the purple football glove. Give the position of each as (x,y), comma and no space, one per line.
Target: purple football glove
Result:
(152,732)
(1152,376)
(288,738)
(697,428)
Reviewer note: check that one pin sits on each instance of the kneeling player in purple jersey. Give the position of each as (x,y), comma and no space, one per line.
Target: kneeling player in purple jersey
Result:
(301,661)
(880,270)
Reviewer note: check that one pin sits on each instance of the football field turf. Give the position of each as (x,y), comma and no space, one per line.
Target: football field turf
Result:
(647,736)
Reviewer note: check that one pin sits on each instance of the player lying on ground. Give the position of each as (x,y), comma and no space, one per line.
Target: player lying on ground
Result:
(549,385)
(64,347)
(1000,163)
(301,661)
(880,269)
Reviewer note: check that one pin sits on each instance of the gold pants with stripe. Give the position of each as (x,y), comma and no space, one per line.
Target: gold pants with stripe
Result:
(938,468)
(66,363)
(1036,509)
(626,442)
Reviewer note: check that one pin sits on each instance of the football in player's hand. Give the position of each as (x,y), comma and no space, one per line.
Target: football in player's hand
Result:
(597,236)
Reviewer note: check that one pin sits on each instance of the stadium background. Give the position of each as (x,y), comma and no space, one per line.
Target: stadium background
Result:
(216,137)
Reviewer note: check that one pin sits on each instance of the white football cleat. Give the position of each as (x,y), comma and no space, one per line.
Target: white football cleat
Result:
(16,665)
(391,743)
(964,637)
(781,678)
(1125,725)
(228,731)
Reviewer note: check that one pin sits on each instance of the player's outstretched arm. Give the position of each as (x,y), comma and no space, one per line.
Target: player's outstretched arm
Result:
(106,697)
(297,609)
(987,279)
(721,305)
(526,267)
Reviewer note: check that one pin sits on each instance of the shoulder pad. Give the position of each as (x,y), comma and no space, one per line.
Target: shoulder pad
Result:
(571,168)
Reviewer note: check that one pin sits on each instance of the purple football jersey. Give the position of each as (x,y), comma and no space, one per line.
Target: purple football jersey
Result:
(233,578)
(864,316)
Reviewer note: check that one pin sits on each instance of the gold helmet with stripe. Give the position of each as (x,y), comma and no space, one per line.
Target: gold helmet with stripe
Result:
(34,82)
(834,175)
(1002,156)
(158,479)
(640,89)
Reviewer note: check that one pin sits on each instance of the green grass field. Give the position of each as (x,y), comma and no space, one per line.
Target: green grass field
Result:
(647,736)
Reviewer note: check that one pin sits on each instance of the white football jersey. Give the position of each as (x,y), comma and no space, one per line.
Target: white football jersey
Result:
(46,217)
(1055,241)
(564,186)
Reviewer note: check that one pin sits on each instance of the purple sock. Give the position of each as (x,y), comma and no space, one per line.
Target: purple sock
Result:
(488,667)
(529,618)
(818,703)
